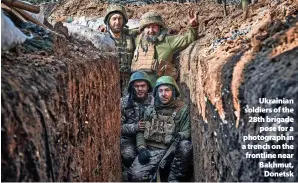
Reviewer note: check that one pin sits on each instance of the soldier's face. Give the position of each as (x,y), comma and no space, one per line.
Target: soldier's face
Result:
(165,94)
(116,23)
(141,88)
(151,32)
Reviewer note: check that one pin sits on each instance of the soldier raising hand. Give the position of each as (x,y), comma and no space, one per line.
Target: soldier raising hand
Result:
(193,18)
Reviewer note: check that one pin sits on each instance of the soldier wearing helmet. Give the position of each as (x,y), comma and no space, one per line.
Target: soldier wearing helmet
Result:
(115,20)
(132,112)
(154,48)
(165,143)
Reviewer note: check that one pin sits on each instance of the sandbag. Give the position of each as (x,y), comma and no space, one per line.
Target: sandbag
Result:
(10,34)
(100,40)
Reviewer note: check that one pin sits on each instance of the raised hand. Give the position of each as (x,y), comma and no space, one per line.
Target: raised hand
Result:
(193,18)
(102,28)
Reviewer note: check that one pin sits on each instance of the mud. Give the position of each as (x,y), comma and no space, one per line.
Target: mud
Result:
(59,109)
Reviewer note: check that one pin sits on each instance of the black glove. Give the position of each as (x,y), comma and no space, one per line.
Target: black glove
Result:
(144,156)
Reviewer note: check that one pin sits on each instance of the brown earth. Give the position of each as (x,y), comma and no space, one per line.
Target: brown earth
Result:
(221,82)
(218,81)
(58,114)
(175,15)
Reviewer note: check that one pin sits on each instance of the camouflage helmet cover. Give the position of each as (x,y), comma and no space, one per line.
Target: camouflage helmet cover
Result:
(166,80)
(139,75)
(151,18)
(115,9)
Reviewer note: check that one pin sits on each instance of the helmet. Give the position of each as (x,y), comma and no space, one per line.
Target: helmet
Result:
(166,80)
(113,9)
(139,75)
(151,18)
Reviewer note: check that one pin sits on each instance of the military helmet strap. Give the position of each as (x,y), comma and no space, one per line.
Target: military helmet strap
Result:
(154,114)
(136,53)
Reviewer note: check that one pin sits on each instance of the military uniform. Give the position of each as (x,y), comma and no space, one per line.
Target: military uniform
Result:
(124,47)
(156,59)
(166,124)
(132,111)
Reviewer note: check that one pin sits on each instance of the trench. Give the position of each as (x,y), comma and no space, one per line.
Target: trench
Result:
(60,117)
(76,144)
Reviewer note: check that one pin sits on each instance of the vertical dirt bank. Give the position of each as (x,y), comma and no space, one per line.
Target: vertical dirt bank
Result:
(221,81)
(60,114)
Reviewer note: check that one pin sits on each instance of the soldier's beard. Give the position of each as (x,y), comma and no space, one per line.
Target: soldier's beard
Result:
(151,38)
(116,30)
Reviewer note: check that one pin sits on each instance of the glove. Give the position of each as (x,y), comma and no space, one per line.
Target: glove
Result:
(144,156)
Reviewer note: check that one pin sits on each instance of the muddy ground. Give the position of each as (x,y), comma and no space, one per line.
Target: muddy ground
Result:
(232,64)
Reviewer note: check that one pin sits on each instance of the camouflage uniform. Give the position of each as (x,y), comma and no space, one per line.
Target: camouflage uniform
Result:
(132,111)
(124,47)
(165,123)
(152,58)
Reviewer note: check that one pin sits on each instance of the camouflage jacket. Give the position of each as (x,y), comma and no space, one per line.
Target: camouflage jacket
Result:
(181,120)
(131,113)
(124,47)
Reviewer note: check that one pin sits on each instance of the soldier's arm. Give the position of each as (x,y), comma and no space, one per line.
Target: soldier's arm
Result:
(180,42)
(132,32)
(185,129)
(140,135)
(140,140)
(128,127)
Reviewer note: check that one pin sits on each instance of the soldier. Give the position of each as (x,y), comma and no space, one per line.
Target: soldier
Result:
(132,111)
(165,144)
(115,21)
(154,48)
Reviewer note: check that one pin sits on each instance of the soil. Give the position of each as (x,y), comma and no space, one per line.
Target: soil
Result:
(55,125)
(259,60)
(232,64)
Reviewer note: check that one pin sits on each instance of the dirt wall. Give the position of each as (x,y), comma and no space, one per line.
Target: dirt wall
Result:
(59,110)
(220,82)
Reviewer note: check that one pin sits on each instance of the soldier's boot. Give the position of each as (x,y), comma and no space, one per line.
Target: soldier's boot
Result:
(128,151)
(180,164)
(128,154)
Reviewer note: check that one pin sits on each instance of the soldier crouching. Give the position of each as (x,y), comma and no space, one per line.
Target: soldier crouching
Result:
(165,143)
(133,107)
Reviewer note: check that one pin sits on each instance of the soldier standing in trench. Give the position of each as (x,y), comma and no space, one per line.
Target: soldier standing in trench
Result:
(115,20)
(165,144)
(132,111)
(155,48)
